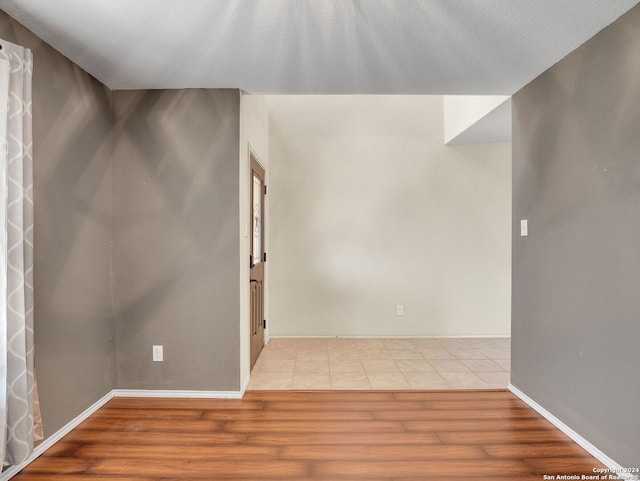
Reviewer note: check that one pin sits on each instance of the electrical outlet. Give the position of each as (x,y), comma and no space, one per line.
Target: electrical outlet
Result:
(399,310)
(524,228)
(158,353)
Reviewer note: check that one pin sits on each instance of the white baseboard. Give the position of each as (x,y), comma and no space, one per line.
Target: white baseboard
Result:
(66,429)
(11,471)
(57,436)
(244,386)
(185,394)
(577,438)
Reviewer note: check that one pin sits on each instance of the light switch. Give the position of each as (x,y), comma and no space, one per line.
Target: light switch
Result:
(524,228)
(158,353)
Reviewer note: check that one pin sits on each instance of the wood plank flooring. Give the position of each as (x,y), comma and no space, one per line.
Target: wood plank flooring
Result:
(315,435)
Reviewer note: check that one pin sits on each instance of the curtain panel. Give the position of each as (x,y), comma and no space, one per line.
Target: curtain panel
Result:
(16,255)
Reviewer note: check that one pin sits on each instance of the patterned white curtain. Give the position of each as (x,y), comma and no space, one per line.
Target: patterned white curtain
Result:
(16,255)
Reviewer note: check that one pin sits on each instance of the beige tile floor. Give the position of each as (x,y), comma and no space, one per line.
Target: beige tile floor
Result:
(355,364)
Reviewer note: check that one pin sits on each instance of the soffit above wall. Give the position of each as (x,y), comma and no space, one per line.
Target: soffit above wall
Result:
(341,46)
(477,119)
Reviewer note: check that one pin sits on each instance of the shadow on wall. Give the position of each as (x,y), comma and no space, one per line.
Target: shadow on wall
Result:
(176,238)
(576,177)
(180,132)
(72,125)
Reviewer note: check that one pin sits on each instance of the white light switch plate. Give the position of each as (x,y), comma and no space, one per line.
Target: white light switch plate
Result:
(158,354)
(524,228)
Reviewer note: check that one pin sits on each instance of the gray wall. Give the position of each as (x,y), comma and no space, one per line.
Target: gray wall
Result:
(176,238)
(172,221)
(576,177)
(72,124)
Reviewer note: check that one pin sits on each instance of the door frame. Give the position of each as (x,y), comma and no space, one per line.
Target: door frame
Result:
(251,157)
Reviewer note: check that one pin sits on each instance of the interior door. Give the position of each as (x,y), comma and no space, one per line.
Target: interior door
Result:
(257,258)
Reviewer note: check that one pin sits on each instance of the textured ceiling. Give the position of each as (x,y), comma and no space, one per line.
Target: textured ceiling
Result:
(317,46)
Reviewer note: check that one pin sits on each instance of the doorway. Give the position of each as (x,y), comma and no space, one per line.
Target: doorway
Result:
(368,209)
(257,258)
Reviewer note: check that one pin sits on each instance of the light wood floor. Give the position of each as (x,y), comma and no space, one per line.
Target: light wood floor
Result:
(331,435)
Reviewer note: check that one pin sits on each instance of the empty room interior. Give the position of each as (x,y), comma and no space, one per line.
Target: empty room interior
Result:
(333,240)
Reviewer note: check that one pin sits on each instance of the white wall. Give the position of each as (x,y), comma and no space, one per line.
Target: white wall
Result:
(254,136)
(477,119)
(369,209)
